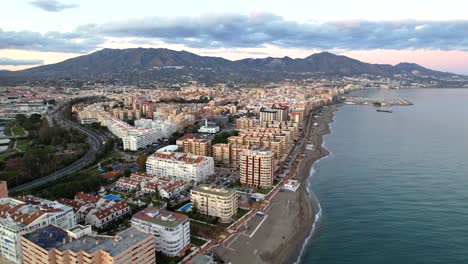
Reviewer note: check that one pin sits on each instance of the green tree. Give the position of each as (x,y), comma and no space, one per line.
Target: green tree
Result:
(36,159)
(141,162)
(19,119)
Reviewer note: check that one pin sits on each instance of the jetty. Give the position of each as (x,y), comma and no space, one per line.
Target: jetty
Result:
(352,100)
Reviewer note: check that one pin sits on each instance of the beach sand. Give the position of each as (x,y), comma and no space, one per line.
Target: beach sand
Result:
(278,237)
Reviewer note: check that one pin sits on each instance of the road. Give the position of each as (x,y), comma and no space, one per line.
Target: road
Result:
(95,142)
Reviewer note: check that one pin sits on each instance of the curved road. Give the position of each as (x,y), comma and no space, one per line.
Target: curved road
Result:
(95,142)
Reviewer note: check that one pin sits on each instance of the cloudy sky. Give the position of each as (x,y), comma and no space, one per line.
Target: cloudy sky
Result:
(428,32)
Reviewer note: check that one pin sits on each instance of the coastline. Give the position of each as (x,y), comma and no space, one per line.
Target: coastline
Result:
(305,171)
(281,235)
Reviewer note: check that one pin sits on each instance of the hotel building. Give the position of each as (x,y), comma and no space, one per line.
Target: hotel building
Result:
(180,166)
(215,201)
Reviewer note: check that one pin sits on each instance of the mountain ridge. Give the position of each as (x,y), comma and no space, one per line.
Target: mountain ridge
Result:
(161,64)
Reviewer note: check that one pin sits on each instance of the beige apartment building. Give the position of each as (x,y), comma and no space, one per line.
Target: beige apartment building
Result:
(196,146)
(215,201)
(256,167)
(222,154)
(246,123)
(227,155)
(52,244)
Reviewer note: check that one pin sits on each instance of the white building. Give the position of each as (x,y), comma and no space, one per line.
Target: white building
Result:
(215,201)
(180,166)
(96,211)
(171,230)
(23,215)
(210,128)
(145,131)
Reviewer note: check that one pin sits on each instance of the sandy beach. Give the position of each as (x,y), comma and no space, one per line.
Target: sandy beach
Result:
(278,237)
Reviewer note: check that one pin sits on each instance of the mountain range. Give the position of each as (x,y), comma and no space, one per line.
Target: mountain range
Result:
(164,65)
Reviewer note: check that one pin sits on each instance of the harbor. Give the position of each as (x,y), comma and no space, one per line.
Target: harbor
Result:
(352,100)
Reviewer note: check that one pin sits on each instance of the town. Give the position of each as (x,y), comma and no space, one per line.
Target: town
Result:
(178,177)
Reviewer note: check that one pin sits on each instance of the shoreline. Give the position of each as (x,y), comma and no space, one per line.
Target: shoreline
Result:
(290,218)
(305,172)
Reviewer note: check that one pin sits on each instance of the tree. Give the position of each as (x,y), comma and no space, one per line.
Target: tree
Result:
(141,162)
(19,119)
(36,159)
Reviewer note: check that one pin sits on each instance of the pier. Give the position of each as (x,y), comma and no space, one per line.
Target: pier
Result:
(351,100)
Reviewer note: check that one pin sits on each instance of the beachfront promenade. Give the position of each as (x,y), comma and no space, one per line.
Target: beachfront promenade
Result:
(261,239)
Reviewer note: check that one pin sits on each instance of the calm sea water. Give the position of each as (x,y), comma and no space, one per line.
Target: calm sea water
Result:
(395,188)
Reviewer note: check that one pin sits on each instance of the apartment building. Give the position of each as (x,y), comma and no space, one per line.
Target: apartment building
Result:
(222,154)
(275,113)
(180,166)
(144,133)
(167,188)
(215,201)
(193,145)
(96,211)
(26,214)
(51,244)
(256,167)
(171,230)
(246,123)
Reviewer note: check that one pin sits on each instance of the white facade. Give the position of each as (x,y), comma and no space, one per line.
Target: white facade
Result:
(145,132)
(215,201)
(209,128)
(180,166)
(171,230)
(18,217)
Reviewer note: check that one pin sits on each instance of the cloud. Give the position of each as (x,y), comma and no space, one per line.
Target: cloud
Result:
(50,42)
(52,5)
(17,62)
(260,29)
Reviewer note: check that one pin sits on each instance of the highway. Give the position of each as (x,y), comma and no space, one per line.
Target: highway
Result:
(95,142)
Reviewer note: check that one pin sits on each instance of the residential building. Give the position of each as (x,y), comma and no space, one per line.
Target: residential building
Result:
(222,154)
(167,188)
(171,230)
(195,146)
(256,167)
(96,211)
(246,122)
(52,244)
(275,113)
(215,201)
(180,166)
(26,214)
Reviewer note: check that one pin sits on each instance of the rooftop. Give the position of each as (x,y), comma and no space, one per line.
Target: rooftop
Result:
(184,157)
(112,245)
(160,217)
(48,237)
(210,189)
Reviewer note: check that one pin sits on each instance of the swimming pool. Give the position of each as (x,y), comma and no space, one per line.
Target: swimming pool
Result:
(186,208)
(112,197)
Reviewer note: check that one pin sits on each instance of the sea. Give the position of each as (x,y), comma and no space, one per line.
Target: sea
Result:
(395,187)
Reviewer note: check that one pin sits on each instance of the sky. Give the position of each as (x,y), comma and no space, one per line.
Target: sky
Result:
(432,33)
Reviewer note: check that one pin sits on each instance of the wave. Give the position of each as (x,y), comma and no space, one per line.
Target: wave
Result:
(318,217)
(317,206)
